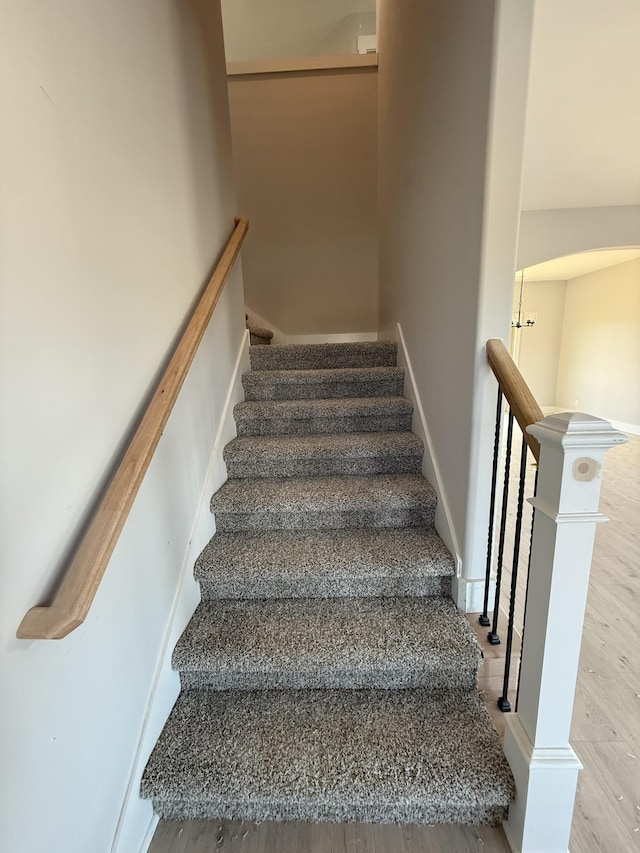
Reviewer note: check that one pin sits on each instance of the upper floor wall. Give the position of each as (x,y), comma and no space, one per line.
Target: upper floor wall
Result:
(305,155)
(276,29)
(583,126)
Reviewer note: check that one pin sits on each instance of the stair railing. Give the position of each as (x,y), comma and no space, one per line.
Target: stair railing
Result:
(82,578)
(523,410)
(569,450)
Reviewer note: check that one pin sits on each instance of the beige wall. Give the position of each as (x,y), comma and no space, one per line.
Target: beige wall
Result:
(452,79)
(305,152)
(539,346)
(600,356)
(116,198)
(282,28)
(548,234)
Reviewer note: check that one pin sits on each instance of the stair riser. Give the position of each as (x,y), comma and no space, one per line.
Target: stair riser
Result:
(322,426)
(303,586)
(262,389)
(324,357)
(336,519)
(237,469)
(395,679)
(257,341)
(301,810)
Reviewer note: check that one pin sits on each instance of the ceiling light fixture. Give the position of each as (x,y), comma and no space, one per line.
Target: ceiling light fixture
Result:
(530,316)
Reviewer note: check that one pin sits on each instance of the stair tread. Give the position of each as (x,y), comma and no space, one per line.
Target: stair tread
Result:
(324,502)
(330,642)
(356,562)
(327,383)
(259,331)
(322,356)
(318,375)
(306,494)
(323,416)
(359,445)
(350,552)
(336,755)
(345,406)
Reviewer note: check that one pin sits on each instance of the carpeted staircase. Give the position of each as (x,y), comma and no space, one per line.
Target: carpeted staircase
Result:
(258,335)
(327,674)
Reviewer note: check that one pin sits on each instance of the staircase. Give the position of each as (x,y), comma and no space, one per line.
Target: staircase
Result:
(258,335)
(326,674)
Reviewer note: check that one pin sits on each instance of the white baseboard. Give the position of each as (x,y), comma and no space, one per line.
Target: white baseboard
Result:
(165,685)
(468,594)
(333,338)
(634,429)
(430,469)
(148,836)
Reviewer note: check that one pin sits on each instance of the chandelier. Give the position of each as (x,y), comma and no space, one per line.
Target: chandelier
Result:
(529,318)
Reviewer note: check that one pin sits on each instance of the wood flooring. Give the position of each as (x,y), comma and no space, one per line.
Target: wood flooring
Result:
(605,731)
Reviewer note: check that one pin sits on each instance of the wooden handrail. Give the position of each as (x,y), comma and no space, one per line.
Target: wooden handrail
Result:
(71,604)
(516,391)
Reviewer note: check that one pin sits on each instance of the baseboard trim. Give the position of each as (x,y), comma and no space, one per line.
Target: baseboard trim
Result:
(468,593)
(334,338)
(148,836)
(634,429)
(165,681)
(430,469)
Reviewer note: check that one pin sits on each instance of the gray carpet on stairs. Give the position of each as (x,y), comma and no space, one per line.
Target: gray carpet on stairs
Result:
(334,755)
(318,455)
(319,417)
(312,503)
(355,643)
(259,331)
(326,674)
(325,563)
(346,382)
(322,356)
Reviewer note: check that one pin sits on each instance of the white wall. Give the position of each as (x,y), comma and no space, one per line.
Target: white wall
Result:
(599,368)
(452,79)
(539,345)
(548,234)
(305,151)
(117,199)
(583,133)
(272,29)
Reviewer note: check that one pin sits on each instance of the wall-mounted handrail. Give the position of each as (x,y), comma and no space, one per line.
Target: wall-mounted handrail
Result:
(71,604)
(517,393)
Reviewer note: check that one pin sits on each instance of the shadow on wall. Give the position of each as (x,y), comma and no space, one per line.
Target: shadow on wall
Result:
(583,353)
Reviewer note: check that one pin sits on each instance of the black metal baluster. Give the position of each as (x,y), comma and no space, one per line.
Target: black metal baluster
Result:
(503,701)
(484,619)
(526,593)
(492,635)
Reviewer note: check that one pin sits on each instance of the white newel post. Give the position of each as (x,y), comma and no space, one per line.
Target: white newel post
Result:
(545,767)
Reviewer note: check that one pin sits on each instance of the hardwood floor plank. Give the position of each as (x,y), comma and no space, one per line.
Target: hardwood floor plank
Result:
(608,802)
(240,837)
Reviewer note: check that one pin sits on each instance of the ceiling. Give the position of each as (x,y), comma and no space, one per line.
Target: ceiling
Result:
(582,143)
(562,269)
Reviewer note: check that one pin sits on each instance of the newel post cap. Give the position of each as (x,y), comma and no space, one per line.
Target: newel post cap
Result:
(577,430)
